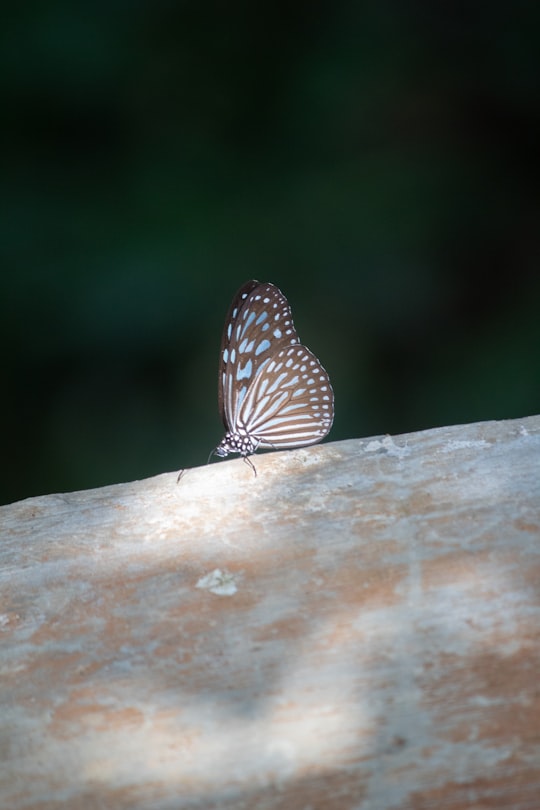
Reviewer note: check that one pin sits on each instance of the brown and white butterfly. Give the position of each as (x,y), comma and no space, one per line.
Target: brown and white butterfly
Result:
(272,391)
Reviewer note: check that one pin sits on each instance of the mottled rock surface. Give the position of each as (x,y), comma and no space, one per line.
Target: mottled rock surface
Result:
(356,627)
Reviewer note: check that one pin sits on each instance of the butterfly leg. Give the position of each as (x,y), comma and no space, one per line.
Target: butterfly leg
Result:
(251,464)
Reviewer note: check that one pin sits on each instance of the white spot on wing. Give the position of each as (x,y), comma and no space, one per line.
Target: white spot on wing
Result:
(244,373)
(262,347)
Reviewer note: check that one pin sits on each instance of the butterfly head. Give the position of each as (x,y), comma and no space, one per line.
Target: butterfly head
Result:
(235,443)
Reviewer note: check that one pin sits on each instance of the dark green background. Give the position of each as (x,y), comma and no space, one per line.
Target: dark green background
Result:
(378,161)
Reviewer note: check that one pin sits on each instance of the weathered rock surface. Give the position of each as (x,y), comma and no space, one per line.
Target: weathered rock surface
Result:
(357,627)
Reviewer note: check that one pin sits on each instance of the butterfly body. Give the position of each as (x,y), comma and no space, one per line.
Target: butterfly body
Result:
(272,391)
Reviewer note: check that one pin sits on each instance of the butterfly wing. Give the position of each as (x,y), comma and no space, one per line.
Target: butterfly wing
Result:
(290,402)
(259,324)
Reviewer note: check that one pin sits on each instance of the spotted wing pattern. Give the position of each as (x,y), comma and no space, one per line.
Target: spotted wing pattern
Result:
(272,391)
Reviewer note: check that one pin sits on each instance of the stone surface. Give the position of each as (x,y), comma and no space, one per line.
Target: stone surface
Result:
(356,627)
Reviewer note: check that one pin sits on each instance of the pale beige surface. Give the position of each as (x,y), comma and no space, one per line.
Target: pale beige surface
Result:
(372,640)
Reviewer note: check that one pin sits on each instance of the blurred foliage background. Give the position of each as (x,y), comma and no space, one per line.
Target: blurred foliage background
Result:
(378,161)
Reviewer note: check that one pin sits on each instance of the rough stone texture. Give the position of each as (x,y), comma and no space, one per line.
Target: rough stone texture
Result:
(357,627)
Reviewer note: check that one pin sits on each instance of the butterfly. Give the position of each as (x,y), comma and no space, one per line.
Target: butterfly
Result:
(272,391)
